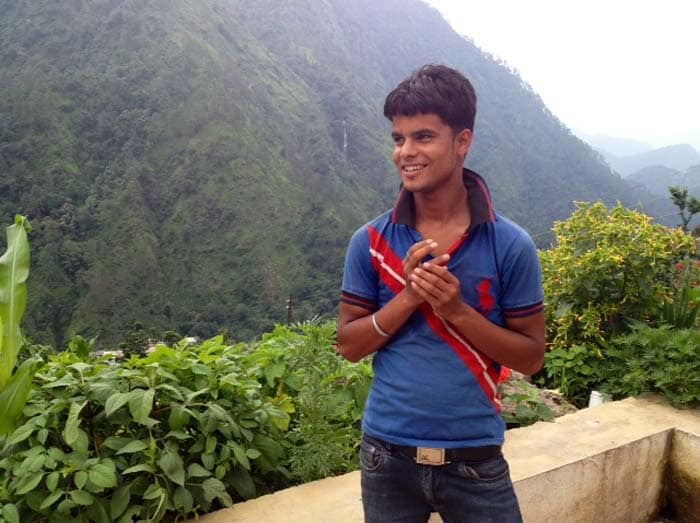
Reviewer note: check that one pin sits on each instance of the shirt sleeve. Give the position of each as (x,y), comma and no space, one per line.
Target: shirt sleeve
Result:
(522,293)
(360,280)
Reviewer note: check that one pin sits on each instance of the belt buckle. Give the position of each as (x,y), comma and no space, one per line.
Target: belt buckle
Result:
(430,456)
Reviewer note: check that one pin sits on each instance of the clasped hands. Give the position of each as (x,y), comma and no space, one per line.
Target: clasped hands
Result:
(431,282)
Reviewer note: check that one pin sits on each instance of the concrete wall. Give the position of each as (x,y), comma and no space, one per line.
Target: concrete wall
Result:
(605,464)
(684,477)
(624,484)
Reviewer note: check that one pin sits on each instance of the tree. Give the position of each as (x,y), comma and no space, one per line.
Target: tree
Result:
(688,206)
(136,341)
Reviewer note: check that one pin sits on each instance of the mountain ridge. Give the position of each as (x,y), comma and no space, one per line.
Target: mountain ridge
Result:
(614,146)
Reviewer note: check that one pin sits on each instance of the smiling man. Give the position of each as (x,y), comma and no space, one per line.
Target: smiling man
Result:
(443,291)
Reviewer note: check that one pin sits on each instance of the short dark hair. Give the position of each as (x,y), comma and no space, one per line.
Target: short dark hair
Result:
(435,89)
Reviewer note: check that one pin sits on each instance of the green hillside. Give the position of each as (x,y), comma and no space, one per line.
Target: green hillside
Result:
(192,164)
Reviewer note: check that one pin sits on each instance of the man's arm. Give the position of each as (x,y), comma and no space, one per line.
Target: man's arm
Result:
(520,345)
(357,337)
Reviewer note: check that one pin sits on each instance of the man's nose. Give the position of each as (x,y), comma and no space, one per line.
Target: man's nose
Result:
(408,148)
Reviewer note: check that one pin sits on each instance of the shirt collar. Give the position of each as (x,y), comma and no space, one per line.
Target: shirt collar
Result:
(478,195)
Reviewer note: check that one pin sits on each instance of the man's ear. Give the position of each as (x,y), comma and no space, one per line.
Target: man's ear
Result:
(464,141)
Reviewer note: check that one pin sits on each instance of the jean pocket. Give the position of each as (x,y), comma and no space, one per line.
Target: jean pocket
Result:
(492,469)
(371,456)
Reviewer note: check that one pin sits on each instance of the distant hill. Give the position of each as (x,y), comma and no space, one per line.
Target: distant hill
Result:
(192,165)
(614,147)
(678,157)
(657,179)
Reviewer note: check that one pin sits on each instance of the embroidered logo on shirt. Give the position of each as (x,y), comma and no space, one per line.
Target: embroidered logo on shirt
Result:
(486,299)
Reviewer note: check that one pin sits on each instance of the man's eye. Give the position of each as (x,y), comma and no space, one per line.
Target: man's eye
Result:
(424,137)
(398,140)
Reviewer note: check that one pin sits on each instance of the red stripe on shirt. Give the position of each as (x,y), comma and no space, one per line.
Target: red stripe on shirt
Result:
(389,266)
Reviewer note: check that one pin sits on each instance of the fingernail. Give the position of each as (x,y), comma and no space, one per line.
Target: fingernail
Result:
(434,244)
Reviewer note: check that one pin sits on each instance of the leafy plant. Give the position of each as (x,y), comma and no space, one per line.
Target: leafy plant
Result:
(184,430)
(301,371)
(180,431)
(576,370)
(14,270)
(609,267)
(528,409)
(681,309)
(81,347)
(655,359)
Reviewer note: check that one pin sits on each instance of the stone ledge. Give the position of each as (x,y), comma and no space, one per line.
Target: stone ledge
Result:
(597,464)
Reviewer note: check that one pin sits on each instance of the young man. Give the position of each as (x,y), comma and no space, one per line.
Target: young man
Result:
(443,291)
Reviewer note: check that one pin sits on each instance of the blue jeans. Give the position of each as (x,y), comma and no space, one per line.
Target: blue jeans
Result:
(395,488)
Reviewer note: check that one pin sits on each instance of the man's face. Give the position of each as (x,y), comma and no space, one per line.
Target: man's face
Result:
(427,153)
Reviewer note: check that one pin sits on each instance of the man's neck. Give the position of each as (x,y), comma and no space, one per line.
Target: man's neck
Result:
(449,206)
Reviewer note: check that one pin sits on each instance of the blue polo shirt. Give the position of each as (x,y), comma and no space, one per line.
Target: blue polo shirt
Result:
(431,387)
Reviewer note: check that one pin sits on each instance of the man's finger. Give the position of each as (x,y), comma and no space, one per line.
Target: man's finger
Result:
(419,251)
(424,249)
(418,245)
(439,278)
(440,260)
(434,283)
(425,289)
(434,268)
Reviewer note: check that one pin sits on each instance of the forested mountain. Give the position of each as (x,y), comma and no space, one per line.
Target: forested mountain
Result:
(191,164)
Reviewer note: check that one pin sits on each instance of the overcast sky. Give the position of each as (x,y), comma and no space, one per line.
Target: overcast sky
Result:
(618,67)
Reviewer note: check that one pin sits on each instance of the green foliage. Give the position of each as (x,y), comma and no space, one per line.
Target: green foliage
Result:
(184,430)
(180,431)
(681,307)
(575,370)
(81,347)
(609,267)
(300,370)
(528,407)
(661,359)
(14,270)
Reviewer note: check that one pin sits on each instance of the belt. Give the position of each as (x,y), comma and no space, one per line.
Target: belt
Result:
(438,456)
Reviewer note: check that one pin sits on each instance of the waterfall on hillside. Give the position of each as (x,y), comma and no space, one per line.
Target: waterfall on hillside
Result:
(345,141)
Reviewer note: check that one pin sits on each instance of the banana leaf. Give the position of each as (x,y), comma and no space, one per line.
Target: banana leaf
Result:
(14,269)
(14,396)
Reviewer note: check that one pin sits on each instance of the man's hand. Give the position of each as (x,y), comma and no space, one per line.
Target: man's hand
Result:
(414,258)
(439,287)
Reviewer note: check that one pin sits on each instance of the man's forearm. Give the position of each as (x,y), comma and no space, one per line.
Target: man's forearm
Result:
(358,337)
(521,350)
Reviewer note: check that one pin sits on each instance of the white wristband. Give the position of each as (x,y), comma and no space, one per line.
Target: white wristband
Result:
(378,328)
